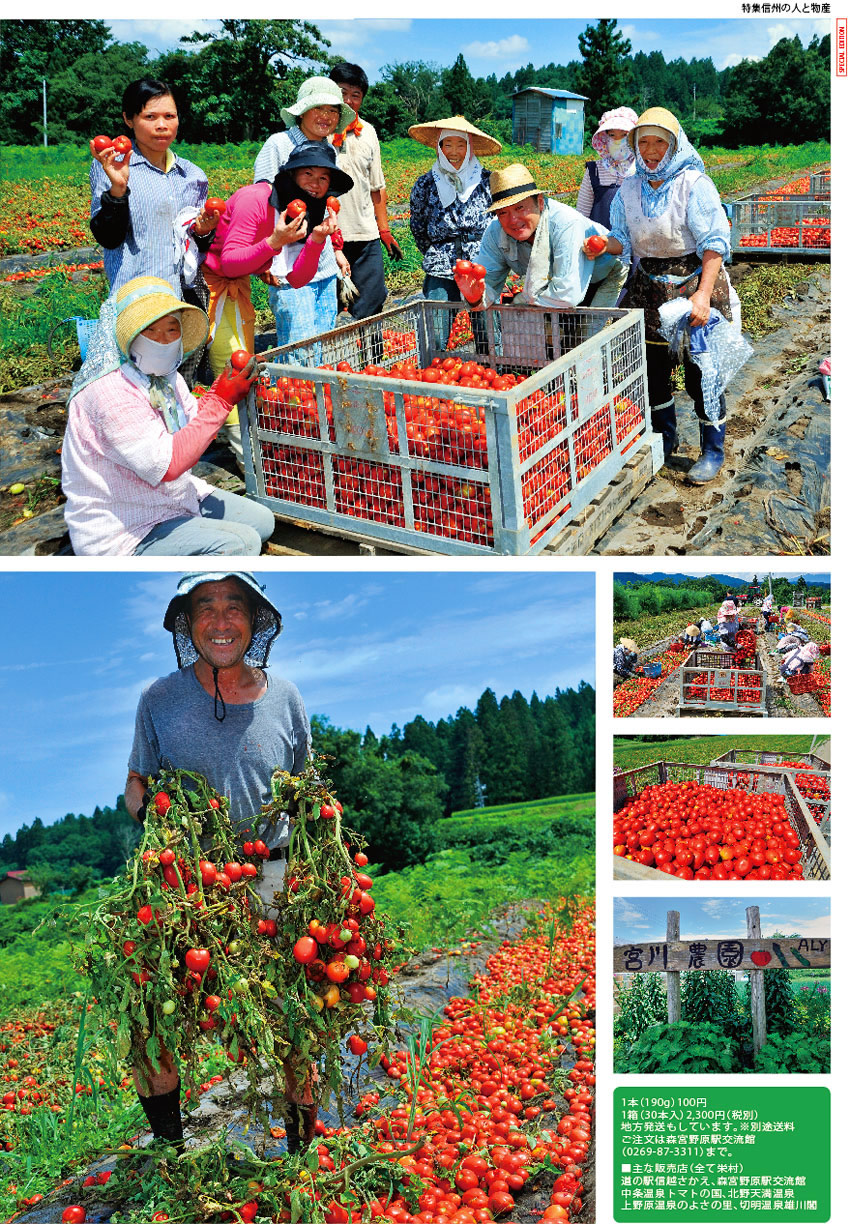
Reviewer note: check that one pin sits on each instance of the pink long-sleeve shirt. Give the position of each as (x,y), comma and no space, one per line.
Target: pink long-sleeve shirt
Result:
(240,246)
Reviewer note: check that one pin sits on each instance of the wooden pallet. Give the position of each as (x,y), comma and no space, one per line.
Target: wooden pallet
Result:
(576,539)
(587,528)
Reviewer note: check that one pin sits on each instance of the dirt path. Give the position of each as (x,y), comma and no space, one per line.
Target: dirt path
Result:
(777,449)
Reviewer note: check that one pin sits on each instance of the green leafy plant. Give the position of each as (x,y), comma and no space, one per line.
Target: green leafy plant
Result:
(710,997)
(642,1004)
(779,1002)
(693,1048)
(798,1052)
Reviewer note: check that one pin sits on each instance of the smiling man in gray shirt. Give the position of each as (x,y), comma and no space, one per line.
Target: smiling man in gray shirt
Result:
(221,715)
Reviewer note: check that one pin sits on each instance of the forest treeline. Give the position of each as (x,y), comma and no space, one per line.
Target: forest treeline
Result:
(231,83)
(395,788)
(634,599)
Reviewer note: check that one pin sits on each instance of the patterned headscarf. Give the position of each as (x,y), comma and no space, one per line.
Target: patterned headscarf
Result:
(455,183)
(680,156)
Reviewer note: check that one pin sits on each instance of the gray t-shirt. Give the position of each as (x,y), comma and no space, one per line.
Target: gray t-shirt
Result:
(176,728)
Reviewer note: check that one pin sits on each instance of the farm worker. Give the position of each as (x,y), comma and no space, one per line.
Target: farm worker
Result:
(147,207)
(800,660)
(766,610)
(317,113)
(691,635)
(448,212)
(669,215)
(134,432)
(616,161)
(221,714)
(626,659)
(543,241)
(794,635)
(257,235)
(363,212)
(727,620)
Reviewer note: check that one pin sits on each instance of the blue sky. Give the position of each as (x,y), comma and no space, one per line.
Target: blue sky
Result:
(644,919)
(364,649)
(499,46)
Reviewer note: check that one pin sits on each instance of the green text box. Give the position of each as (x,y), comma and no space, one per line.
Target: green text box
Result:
(721,1154)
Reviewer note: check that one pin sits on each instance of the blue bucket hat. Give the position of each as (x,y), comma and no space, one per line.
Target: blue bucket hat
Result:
(266,627)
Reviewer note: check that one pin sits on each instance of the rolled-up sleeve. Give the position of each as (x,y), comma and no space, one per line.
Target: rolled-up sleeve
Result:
(707,218)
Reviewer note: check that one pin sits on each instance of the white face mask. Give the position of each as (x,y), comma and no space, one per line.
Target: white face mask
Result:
(618,150)
(156,359)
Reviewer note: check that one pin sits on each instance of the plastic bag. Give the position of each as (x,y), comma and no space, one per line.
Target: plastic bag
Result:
(717,347)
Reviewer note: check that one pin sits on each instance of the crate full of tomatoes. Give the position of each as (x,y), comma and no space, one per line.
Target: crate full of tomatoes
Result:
(725,680)
(379,429)
(777,223)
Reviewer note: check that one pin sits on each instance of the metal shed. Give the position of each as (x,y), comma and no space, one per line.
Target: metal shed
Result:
(551,120)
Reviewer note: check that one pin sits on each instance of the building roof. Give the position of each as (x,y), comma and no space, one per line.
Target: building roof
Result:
(15,875)
(551,93)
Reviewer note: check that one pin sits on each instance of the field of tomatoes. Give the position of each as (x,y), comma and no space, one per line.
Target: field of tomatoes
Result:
(698,832)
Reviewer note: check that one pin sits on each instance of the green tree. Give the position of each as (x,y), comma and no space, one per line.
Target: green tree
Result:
(407,93)
(32,50)
(784,96)
(85,98)
(237,82)
(464,95)
(605,75)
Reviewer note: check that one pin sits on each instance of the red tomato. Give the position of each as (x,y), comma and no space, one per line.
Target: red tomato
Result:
(74,1215)
(357,1045)
(208,872)
(478,271)
(295,208)
(161,802)
(597,244)
(122,144)
(305,950)
(239,360)
(463,267)
(197,959)
(214,205)
(100,143)
(333,204)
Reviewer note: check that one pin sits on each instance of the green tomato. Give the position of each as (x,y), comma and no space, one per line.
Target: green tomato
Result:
(241,986)
(168,1007)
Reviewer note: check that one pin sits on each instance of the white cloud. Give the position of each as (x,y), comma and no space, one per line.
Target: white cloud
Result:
(498,49)
(625,910)
(352,35)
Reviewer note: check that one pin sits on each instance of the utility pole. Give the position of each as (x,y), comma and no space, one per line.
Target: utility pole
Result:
(44,107)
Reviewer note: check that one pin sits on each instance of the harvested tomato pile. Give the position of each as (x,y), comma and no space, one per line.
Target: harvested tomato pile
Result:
(746,692)
(631,694)
(698,832)
(29,274)
(812,234)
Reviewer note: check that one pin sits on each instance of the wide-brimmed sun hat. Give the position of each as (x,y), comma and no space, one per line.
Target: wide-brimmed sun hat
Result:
(623,119)
(267,621)
(629,645)
(318,91)
(429,133)
(511,185)
(656,116)
(143,300)
(692,631)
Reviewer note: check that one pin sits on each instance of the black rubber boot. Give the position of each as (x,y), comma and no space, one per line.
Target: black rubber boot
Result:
(664,422)
(300,1127)
(163,1115)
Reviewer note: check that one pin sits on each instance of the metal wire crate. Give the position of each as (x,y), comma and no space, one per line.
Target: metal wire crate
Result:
(709,680)
(443,468)
(786,224)
(819,806)
(752,778)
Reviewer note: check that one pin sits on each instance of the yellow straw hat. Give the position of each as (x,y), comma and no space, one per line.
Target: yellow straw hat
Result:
(145,299)
(428,134)
(510,185)
(692,631)
(656,116)
(629,645)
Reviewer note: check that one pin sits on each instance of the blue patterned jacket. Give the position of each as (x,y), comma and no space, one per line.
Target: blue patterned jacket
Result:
(444,235)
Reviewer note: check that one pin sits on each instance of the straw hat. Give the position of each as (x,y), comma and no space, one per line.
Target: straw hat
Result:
(692,630)
(145,299)
(656,116)
(428,134)
(510,185)
(629,645)
(318,91)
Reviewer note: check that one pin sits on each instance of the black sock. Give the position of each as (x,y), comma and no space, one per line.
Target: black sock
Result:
(163,1115)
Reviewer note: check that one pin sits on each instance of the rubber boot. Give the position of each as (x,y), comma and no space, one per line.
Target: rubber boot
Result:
(712,440)
(300,1126)
(163,1115)
(664,422)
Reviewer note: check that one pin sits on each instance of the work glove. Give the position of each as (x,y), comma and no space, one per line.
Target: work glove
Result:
(392,248)
(233,385)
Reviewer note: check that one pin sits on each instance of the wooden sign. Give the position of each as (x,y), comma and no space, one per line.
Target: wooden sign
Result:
(748,953)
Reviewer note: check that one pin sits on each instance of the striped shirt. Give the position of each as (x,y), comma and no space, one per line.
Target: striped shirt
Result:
(114,456)
(607,178)
(276,153)
(155,198)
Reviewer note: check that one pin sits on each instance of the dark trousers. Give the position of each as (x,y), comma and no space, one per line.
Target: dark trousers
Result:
(659,374)
(367,272)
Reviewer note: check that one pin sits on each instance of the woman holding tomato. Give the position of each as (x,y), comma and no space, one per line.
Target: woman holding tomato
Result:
(448,211)
(278,230)
(147,204)
(668,215)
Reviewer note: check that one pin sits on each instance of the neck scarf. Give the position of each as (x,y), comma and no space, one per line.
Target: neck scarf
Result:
(162,393)
(538,273)
(355,127)
(455,184)
(674,162)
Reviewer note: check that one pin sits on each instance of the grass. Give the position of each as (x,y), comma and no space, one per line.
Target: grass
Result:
(700,750)
(766,286)
(649,629)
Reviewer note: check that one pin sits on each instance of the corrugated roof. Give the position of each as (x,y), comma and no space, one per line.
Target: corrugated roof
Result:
(15,875)
(551,93)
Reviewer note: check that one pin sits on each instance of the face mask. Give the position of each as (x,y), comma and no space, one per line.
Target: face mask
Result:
(618,150)
(156,359)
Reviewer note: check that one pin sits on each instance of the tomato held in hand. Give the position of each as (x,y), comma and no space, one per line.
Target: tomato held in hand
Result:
(122,144)
(295,208)
(214,205)
(100,143)
(239,360)
(596,244)
(463,267)
(478,271)
(333,204)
